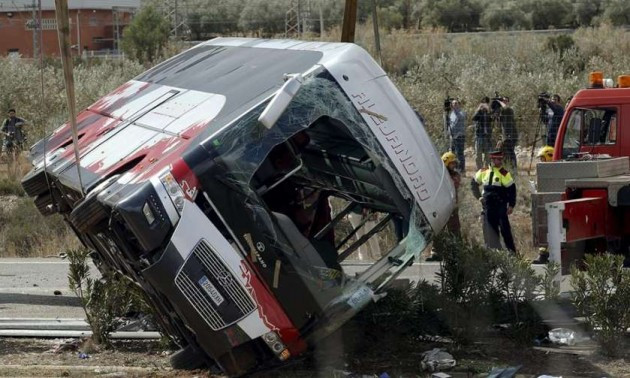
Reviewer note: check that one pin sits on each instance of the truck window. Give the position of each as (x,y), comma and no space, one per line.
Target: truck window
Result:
(589,127)
(572,138)
(600,127)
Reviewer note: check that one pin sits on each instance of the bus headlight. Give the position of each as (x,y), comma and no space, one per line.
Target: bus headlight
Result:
(173,190)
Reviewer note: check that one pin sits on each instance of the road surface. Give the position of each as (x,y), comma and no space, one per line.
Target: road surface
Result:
(28,286)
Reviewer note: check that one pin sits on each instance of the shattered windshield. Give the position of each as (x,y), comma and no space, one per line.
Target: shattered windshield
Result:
(288,178)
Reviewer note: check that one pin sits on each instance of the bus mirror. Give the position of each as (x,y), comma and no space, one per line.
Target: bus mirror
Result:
(280,101)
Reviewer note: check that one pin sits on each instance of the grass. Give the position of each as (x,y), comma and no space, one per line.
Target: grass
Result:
(24,232)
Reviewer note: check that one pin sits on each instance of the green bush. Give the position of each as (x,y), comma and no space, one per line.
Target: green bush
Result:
(477,288)
(467,275)
(481,287)
(559,43)
(602,295)
(104,300)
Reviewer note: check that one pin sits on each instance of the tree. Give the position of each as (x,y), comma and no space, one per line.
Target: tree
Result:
(546,14)
(454,15)
(587,11)
(617,12)
(265,16)
(216,17)
(389,18)
(147,34)
(500,17)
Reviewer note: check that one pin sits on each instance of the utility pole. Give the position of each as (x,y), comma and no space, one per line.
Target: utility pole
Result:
(321,20)
(305,15)
(78,33)
(349,21)
(292,19)
(35,29)
(176,12)
(377,38)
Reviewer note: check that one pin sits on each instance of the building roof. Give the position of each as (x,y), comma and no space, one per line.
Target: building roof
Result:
(27,5)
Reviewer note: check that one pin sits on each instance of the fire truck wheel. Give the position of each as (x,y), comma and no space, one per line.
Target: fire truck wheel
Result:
(35,183)
(188,358)
(44,203)
(88,214)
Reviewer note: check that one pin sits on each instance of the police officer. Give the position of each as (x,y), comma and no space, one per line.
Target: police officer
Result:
(498,196)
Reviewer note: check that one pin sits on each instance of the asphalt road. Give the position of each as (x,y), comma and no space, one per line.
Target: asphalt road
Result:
(27,289)
(27,286)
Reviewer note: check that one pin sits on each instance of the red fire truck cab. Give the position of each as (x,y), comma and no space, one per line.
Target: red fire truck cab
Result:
(586,189)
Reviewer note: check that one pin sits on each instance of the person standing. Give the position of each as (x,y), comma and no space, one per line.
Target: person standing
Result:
(452,225)
(555,112)
(483,133)
(545,154)
(12,130)
(457,123)
(498,198)
(450,161)
(509,133)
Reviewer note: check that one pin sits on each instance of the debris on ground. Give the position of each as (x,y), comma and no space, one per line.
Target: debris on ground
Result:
(565,336)
(66,345)
(507,372)
(139,323)
(437,359)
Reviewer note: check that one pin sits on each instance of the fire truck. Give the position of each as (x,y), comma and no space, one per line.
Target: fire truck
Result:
(583,196)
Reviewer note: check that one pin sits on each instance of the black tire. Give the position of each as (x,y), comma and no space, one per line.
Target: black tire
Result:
(88,214)
(35,183)
(44,204)
(188,358)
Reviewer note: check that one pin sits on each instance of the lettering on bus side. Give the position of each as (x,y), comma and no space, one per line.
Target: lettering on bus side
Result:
(395,145)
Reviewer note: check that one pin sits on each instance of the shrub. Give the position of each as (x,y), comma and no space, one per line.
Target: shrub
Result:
(602,295)
(481,287)
(104,300)
(467,275)
(10,187)
(559,44)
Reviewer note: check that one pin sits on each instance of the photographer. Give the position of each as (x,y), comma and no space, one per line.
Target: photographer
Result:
(457,128)
(509,132)
(483,133)
(551,113)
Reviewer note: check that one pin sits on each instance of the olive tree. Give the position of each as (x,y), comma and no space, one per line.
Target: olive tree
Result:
(147,34)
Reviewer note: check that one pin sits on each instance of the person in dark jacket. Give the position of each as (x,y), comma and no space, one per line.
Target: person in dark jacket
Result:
(509,133)
(483,133)
(554,114)
(12,131)
(498,197)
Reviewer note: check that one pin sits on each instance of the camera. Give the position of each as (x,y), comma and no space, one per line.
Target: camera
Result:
(543,98)
(495,103)
(447,103)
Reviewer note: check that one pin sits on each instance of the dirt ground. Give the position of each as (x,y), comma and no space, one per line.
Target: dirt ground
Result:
(35,357)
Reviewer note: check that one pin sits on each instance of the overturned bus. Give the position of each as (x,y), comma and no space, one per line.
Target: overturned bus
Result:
(208,180)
